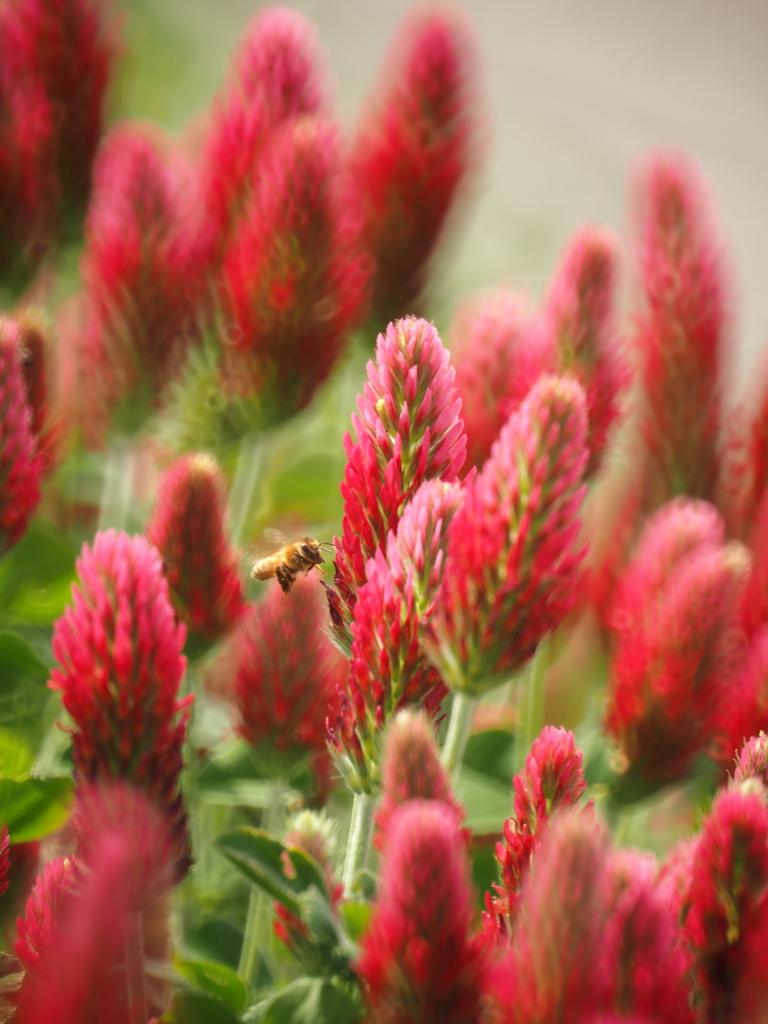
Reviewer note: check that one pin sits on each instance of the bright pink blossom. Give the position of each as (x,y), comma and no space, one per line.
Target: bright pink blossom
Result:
(293,280)
(412,770)
(499,350)
(724,903)
(140,271)
(67,47)
(119,647)
(414,153)
(409,429)
(675,651)
(286,673)
(37,929)
(682,333)
(20,464)
(512,570)
(581,316)
(188,529)
(420,961)
(752,762)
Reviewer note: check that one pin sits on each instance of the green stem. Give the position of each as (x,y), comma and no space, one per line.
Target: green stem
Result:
(244,484)
(460,723)
(359,841)
(118,483)
(531,720)
(259,920)
(134,968)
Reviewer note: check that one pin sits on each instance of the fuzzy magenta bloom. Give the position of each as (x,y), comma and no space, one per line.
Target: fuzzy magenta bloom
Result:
(276,78)
(420,961)
(754,604)
(140,270)
(581,317)
(724,904)
(68,47)
(286,673)
(512,570)
(409,429)
(293,280)
(119,647)
(412,770)
(388,670)
(682,335)
(42,385)
(5,858)
(752,762)
(188,529)
(745,709)
(676,647)
(414,153)
(20,464)
(37,929)
(553,777)
(499,350)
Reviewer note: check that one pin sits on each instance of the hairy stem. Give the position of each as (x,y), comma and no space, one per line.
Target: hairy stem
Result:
(359,841)
(244,484)
(118,483)
(459,725)
(531,720)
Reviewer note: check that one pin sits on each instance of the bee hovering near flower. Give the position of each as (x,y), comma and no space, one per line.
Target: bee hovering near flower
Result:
(292,558)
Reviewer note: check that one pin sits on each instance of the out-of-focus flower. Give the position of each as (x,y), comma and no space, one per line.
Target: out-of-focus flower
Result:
(754,604)
(42,387)
(20,464)
(674,618)
(276,78)
(409,429)
(752,762)
(682,332)
(5,858)
(420,960)
(745,710)
(724,904)
(293,280)
(412,770)
(141,273)
(414,153)
(499,350)
(37,929)
(119,647)
(68,48)
(512,570)
(188,529)
(552,778)
(580,316)
(287,672)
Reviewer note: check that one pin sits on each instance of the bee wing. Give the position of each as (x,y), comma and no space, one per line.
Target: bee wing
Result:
(275,537)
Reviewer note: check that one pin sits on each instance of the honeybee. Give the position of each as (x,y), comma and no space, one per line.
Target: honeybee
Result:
(286,564)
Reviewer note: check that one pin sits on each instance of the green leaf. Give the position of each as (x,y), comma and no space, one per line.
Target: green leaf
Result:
(24,692)
(355,916)
(216,939)
(16,756)
(231,778)
(215,979)
(492,752)
(488,801)
(33,808)
(37,574)
(190,1007)
(260,858)
(306,1001)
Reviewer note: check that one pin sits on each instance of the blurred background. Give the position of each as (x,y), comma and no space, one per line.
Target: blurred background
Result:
(576,93)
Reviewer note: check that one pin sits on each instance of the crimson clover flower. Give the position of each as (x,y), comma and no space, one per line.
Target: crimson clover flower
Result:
(119,648)
(188,529)
(421,960)
(512,570)
(752,761)
(408,430)
(414,154)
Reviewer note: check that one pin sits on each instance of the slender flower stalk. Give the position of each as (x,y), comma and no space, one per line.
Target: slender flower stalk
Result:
(511,573)
(499,349)
(20,463)
(188,529)
(415,152)
(420,961)
(119,647)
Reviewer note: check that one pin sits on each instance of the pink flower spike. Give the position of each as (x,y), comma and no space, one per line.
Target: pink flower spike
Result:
(119,647)
(512,571)
(20,464)
(37,930)
(581,318)
(293,281)
(420,962)
(752,762)
(683,334)
(415,153)
(188,529)
(499,350)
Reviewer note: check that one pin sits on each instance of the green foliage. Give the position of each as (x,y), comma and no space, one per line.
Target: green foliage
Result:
(306,1001)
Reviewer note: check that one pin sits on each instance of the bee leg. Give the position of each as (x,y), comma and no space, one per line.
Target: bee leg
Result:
(285,581)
